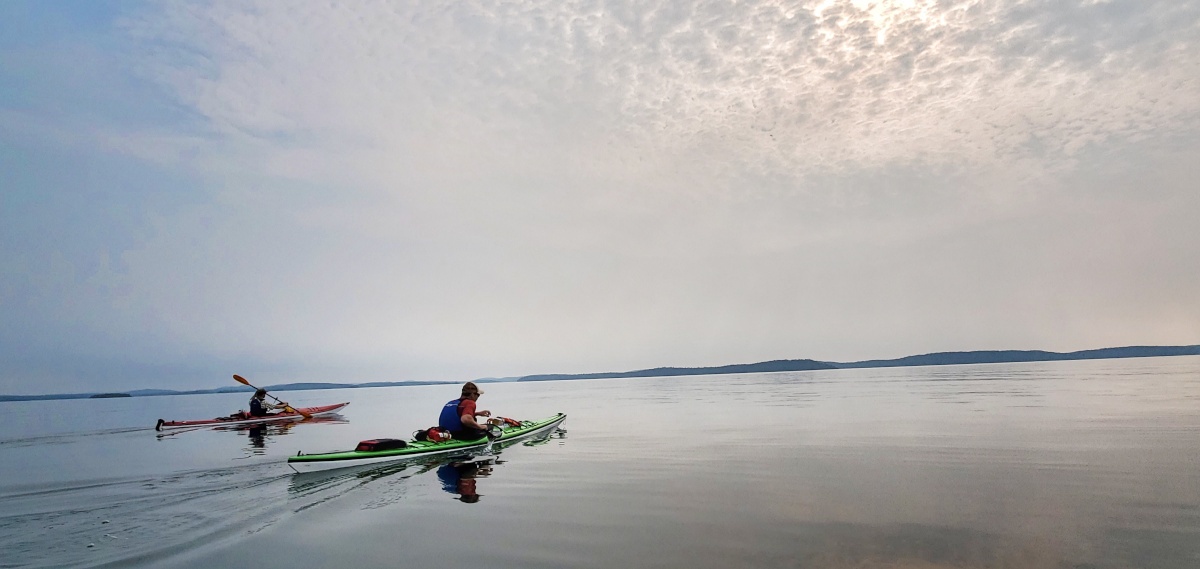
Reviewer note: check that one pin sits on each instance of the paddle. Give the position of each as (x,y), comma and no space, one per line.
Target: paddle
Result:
(286,407)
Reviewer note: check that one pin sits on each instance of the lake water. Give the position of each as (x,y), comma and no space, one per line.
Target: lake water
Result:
(1058,465)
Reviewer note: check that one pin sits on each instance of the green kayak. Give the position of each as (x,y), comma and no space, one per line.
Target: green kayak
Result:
(412,449)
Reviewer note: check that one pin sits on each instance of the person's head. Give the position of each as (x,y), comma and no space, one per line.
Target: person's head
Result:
(470,391)
(260,393)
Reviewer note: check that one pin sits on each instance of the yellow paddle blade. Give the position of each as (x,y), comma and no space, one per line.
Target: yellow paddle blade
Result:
(291,409)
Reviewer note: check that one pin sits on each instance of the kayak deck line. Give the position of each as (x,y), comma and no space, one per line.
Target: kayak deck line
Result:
(413,449)
(318,411)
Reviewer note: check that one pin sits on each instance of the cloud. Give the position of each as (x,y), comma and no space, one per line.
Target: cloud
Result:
(453,189)
(753,89)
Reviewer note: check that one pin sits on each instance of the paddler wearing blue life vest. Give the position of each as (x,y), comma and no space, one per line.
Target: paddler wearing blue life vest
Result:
(458,415)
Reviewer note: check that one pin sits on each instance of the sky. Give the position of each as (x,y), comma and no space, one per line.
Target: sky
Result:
(392,191)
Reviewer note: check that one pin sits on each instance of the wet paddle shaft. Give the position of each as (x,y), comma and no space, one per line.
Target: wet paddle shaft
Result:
(286,407)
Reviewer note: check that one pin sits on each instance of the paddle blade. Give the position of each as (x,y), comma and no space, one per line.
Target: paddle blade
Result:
(241,380)
(291,409)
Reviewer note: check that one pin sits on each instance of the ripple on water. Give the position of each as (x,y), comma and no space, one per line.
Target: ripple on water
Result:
(116,521)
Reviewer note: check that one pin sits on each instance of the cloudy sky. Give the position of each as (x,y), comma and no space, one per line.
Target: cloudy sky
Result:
(351,191)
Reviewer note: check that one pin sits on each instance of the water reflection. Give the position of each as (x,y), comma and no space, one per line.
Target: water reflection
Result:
(1069,466)
(463,468)
(917,546)
(258,433)
(559,433)
(460,477)
(258,438)
(329,484)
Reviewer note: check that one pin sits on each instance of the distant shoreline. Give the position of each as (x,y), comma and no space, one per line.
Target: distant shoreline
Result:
(934,359)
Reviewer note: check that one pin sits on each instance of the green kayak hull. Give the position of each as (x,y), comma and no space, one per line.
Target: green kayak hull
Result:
(419,449)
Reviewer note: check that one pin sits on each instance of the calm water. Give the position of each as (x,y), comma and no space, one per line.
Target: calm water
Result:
(1049,465)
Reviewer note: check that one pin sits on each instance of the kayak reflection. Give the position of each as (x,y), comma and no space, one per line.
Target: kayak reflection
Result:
(460,478)
(559,433)
(259,433)
(458,475)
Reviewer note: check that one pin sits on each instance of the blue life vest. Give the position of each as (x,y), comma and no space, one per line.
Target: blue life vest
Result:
(450,419)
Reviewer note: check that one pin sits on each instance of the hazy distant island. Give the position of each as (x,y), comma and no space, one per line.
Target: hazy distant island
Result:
(934,359)
(773,365)
(939,358)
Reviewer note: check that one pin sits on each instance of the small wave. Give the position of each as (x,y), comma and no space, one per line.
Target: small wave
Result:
(113,521)
(68,438)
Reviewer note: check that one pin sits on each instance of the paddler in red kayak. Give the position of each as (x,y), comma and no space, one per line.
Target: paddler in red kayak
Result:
(260,408)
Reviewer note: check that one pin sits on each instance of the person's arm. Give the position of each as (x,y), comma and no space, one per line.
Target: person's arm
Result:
(467,414)
(468,420)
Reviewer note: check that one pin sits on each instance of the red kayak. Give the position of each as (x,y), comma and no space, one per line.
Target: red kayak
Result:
(241,418)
